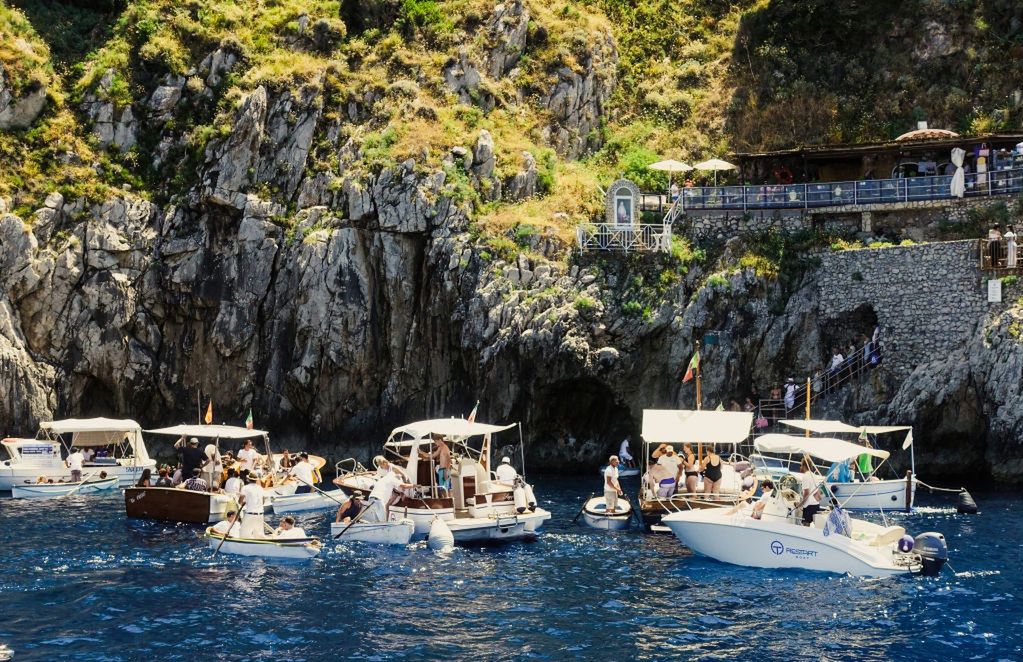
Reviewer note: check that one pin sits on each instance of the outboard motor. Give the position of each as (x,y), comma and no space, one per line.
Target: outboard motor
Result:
(966,504)
(932,550)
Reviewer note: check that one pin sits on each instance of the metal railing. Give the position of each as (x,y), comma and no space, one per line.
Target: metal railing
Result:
(836,194)
(995,255)
(612,237)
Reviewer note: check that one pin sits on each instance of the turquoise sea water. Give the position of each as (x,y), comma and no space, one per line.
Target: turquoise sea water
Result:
(80,581)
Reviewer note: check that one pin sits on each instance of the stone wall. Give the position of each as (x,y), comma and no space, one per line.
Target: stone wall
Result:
(928,298)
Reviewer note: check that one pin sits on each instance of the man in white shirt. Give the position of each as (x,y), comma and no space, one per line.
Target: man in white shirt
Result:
(229,526)
(252,502)
(624,454)
(303,472)
(505,472)
(790,395)
(811,493)
(248,456)
(233,484)
(212,466)
(288,530)
(380,496)
(74,462)
(612,489)
(667,458)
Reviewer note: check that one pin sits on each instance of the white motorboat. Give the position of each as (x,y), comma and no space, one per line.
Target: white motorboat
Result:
(267,548)
(50,490)
(299,503)
(623,472)
(475,493)
(864,489)
(833,543)
(120,440)
(595,514)
(398,532)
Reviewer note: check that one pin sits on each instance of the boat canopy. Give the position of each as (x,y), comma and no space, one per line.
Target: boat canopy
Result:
(449,427)
(835,427)
(100,432)
(702,426)
(210,431)
(825,448)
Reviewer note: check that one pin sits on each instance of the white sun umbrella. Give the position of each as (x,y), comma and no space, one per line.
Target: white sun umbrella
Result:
(670,166)
(715,165)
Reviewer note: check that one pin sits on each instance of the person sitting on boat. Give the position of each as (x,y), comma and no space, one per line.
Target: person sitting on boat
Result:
(288,530)
(303,473)
(712,472)
(612,488)
(195,483)
(248,456)
(41,480)
(74,462)
(442,455)
(286,459)
(758,508)
(103,475)
(386,488)
(229,527)
(164,479)
(811,496)
(233,484)
(145,479)
(251,499)
(350,509)
(88,454)
(690,467)
(505,472)
(178,475)
(624,454)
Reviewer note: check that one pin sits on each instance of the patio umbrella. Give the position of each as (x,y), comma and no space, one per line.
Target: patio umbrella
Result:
(670,166)
(958,186)
(715,165)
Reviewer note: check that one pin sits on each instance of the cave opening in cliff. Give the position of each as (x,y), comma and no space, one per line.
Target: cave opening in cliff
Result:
(848,328)
(576,423)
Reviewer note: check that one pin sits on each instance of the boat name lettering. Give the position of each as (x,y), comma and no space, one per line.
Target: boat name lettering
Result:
(778,549)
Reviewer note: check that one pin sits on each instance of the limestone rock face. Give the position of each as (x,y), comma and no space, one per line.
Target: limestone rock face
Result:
(18,112)
(508,28)
(112,125)
(231,164)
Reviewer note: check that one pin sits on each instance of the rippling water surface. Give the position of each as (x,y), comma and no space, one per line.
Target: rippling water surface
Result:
(79,581)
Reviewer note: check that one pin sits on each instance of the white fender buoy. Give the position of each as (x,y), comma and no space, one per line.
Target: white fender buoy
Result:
(440,537)
(530,499)
(520,500)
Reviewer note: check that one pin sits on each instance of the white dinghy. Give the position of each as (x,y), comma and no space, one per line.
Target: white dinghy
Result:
(623,472)
(267,548)
(832,543)
(398,532)
(595,514)
(299,503)
(51,490)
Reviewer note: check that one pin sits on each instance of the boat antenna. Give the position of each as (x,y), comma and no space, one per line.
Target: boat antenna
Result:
(699,370)
(808,405)
(522,453)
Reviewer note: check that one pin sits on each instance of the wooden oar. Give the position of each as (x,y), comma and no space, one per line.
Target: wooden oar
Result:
(340,503)
(81,484)
(365,509)
(224,538)
(625,498)
(582,508)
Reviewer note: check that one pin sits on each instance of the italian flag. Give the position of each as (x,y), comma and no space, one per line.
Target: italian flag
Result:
(694,364)
(248,420)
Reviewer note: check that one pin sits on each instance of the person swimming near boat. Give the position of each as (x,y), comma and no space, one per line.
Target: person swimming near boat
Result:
(350,509)
(229,526)
(287,529)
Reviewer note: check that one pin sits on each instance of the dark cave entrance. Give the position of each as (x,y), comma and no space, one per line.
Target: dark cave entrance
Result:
(848,328)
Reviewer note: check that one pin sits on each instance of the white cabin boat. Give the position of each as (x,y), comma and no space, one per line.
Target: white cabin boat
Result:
(267,548)
(51,490)
(122,439)
(595,514)
(381,533)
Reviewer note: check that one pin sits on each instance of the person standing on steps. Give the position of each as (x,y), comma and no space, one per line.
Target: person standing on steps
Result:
(790,396)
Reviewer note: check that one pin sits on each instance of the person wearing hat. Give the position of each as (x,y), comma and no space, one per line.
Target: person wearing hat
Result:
(251,499)
(74,462)
(350,509)
(505,472)
(192,458)
(303,473)
(790,395)
(229,527)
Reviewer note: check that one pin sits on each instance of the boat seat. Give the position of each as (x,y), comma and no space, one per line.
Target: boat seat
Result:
(888,536)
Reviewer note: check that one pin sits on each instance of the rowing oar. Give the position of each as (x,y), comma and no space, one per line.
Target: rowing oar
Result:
(340,503)
(625,497)
(582,508)
(365,509)
(81,484)
(223,538)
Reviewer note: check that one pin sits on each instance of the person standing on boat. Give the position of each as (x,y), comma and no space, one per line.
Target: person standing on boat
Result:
(212,466)
(505,472)
(442,455)
(712,472)
(386,487)
(624,454)
(612,488)
(251,499)
(811,501)
(74,462)
(229,527)
(191,458)
(690,467)
(303,472)
(666,457)
(248,456)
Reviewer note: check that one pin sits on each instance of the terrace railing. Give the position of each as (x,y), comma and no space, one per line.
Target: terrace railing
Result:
(625,238)
(837,194)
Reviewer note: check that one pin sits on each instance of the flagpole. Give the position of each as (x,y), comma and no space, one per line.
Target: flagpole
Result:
(699,369)
(807,404)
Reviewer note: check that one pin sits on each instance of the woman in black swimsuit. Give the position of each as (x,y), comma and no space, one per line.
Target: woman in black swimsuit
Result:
(712,473)
(690,467)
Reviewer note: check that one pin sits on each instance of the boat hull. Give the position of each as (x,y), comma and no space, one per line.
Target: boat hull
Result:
(52,490)
(495,529)
(300,503)
(741,540)
(652,510)
(623,472)
(595,515)
(875,495)
(169,504)
(20,473)
(302,548)
(380,533)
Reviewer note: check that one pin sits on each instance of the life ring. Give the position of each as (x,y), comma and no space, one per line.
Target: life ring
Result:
(783,175)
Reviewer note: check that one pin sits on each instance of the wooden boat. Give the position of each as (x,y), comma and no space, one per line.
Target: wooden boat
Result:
(595,514)
(170,504)
(268,548)
(51,490)
(382,533)
(298,503)
(623,472)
